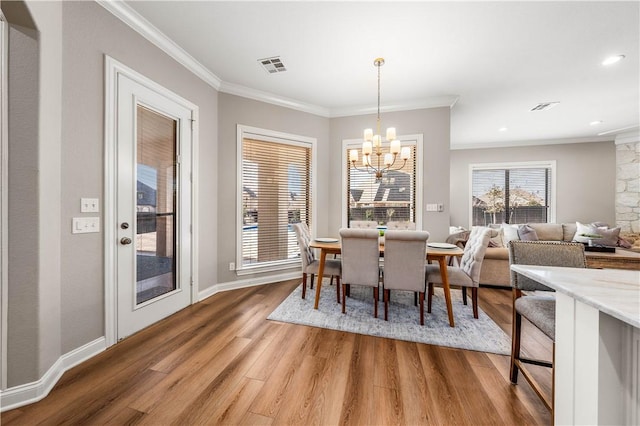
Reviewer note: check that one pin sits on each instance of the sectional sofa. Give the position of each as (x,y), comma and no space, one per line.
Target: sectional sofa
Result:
(495,266)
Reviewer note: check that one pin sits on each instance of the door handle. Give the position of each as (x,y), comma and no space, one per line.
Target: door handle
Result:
(125,241)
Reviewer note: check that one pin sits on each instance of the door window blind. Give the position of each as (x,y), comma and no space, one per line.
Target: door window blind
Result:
(276,192)
(390,198)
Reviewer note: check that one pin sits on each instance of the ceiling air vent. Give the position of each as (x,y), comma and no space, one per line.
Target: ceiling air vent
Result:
(544,106)
(273,65)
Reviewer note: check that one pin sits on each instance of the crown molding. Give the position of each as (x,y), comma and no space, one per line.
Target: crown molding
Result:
(247,92)
(514,144)
(434,102)
(138,23)
(628,137)
(143,27)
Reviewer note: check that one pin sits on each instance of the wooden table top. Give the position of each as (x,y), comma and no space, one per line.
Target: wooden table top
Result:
(431,251)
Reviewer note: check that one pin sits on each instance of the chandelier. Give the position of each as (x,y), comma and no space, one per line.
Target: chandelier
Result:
(372,145)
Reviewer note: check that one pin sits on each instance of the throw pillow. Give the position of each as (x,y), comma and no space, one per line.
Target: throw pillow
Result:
(527,233)
(510,233)
(496,237)
(599,235)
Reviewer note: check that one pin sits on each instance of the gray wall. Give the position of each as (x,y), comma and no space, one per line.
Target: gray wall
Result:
(34,188)
(56,156)
(585,178)
(234,110)
(434,125)
(89,33)
(23,201)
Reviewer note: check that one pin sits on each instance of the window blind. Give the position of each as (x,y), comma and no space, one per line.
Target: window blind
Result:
(276,192)
(511,195)
(390,198)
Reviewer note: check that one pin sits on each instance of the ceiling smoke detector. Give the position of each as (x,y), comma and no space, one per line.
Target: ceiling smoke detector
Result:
(544,106)
(273,64)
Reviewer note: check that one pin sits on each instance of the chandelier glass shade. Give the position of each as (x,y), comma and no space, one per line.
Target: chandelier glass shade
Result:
(372,145)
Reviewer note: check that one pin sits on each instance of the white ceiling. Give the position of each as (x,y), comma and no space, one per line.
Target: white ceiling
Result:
(491,61)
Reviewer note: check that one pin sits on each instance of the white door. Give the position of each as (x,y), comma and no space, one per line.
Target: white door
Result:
(153,196)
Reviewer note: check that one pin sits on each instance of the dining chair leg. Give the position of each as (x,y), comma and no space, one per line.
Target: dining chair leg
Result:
(415,298)
(385,293)
(474,301)
(422,308)
(464,296)
(343,298)
(313,276)
(337,289)
(349,290)
(515,346)
(429,297)
(375,302)
(304,284)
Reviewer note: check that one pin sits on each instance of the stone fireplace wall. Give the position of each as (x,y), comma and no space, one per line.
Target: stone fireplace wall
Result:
(628,191)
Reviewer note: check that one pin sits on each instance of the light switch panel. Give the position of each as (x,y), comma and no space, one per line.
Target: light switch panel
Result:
(89,205)
(85,225)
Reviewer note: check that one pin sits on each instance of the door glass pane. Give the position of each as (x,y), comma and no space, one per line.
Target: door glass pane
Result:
(156,202)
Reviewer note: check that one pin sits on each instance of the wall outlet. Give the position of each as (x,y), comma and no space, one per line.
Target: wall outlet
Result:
(89,205)
(232,266)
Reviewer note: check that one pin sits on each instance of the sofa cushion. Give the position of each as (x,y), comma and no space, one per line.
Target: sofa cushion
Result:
(548,231)
(527,233)
(498,253)
(568,231)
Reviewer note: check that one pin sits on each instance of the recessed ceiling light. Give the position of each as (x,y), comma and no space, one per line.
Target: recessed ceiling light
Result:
(595,123)
(503,129)
(612,60)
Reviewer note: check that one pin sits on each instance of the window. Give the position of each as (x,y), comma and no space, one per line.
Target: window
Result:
(391,198)
(275,191)
(512,193)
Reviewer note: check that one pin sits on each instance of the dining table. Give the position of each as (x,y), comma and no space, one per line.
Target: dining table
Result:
(435,254)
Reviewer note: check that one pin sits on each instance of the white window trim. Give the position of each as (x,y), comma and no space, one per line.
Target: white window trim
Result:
(518,165)
(357,144)
(243,132)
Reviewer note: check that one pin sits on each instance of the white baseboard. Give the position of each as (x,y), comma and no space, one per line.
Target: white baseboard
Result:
(249,282)
(35,391)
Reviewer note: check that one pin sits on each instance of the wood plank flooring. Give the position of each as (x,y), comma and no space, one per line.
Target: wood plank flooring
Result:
(221,362)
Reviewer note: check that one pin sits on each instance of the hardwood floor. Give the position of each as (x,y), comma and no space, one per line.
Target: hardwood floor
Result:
(221,362)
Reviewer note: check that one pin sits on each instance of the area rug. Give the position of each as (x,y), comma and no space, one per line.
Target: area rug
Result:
(480,334)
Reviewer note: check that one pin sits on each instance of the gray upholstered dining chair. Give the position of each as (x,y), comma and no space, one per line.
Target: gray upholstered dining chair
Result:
(539,310)
(403,225)
(404,265)
(360,254)
(468,273)
(310,265)
(363,224)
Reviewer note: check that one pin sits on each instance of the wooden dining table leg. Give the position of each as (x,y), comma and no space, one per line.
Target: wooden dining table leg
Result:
(445,288)
(323,257)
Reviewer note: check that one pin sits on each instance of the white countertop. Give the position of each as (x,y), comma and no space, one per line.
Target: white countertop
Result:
(615,292)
